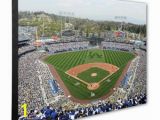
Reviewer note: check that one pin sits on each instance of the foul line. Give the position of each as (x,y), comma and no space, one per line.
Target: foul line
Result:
(90,83)
(78,79)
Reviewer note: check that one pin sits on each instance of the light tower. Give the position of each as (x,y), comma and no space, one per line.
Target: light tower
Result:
(65,15)
(122,20)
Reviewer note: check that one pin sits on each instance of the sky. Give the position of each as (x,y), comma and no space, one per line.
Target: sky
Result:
(101,10)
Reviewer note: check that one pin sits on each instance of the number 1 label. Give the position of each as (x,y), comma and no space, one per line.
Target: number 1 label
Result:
(24,106)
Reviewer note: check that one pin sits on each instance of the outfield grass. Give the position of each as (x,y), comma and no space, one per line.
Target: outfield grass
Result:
(95,55)
(64,61)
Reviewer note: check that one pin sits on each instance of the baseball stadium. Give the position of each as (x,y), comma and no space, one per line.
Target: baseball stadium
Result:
(74,74)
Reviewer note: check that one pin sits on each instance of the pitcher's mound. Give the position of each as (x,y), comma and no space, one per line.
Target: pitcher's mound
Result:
(94,74)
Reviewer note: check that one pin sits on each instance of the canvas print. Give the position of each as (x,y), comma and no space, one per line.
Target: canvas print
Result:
(79,58)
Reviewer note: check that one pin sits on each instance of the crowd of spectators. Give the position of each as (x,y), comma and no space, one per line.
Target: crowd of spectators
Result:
(25,49)
(68,46)
(33,83)
(28,83)
(44,76)
(26,32)
(140,81)
(49,113)
(117,46)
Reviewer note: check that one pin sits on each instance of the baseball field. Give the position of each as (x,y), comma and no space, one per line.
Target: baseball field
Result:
(89,74)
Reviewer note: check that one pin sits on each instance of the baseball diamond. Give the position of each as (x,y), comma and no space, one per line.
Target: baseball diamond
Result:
(91,69)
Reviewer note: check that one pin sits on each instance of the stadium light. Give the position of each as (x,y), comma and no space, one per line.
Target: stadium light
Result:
(121,19)
(65,15)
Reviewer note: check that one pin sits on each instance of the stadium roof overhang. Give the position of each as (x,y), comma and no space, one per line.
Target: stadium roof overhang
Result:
(23,41)
(95,39)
